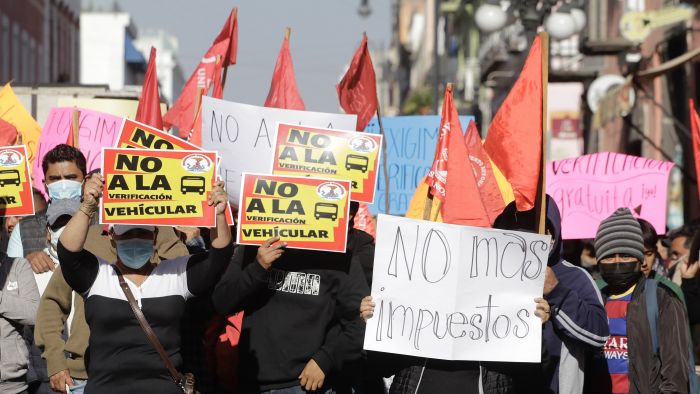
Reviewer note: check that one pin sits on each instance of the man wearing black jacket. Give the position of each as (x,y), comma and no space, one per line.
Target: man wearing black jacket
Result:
(301,322)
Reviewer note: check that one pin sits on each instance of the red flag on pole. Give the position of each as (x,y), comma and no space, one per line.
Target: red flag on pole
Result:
(148,111)
(490,193)
(357,91)
(461,201)
(514,141)
(222,52)
(74,130)
(695,131)
(283,89)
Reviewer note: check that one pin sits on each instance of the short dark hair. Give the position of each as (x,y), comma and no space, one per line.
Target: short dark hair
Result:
(648,234)
(61,153)
(354,207)
(683,231)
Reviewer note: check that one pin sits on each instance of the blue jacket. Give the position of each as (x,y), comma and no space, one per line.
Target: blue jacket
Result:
(578,322)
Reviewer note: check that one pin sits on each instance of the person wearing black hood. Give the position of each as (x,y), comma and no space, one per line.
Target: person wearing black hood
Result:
(578,323)
(641,355)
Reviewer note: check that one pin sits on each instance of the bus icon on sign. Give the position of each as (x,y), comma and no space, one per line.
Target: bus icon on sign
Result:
(192,184)
(326,210)
(356,162)
(9,177)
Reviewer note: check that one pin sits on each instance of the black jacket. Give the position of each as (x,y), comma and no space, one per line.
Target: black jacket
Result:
(305,307)
(649,373)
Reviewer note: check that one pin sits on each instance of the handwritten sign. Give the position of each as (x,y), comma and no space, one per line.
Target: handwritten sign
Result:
(121,107)
(307,213)
(589,188)
(97,130)
(15,182)
(410,149)
(333,154)
(456,293)
(134,134)
(13,112)
(244,135)
(158,187)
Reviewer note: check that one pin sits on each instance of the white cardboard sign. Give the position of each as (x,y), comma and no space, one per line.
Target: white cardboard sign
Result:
(244,135)
(456,293)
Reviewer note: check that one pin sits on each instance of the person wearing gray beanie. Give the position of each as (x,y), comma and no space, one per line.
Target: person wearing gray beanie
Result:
(639,356)
(619,249)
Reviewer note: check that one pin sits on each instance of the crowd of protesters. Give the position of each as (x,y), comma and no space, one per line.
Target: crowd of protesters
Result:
(143,309)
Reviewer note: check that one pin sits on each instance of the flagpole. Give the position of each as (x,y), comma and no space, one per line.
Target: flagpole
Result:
(75,125)
(541,199)
(385,171)
(223,78)
(287,32)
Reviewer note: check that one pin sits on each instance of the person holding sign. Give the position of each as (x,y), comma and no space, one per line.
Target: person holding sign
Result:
(122,359)
(300,323)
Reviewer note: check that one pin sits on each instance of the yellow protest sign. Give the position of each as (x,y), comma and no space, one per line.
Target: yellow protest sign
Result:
(13,112)
(328,153)
(15,182)
(158,187)
(306,213)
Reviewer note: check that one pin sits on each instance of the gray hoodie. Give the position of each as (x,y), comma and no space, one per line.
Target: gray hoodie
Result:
(19,299)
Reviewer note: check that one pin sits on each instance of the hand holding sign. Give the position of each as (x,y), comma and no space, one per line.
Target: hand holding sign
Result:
(218,197)
(367,308)
(270,251)
(92,191)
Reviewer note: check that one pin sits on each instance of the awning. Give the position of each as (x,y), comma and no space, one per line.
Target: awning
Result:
(131,54)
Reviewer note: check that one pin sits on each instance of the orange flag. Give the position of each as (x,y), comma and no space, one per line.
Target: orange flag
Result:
(283,89)
(490,193)
(514,141)
(221,54)
(462,201)
(695,130)
(148,111)
(357,91)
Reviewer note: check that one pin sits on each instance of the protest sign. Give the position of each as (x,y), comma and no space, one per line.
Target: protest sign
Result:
(243,135)
(120,107)
(306,213)
(96,131)
(134,134)
(157,187)
(410,149)
(15,182)
(333,154)
(13,112)
(589,188)
(138,135)
(456,293)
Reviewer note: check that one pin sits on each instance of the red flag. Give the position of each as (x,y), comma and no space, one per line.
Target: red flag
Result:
(491,196)
(695,130)
(461,199)
(514,141)
(220,54)
(148,111)
(8,133)
(364,220)
(437,176)
(283,89)
(357,91)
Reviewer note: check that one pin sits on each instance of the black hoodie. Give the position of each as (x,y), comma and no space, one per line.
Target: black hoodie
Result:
(304,307)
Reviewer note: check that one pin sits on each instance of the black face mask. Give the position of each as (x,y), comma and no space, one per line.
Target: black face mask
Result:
(620,276)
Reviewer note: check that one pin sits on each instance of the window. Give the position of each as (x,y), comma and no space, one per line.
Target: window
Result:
(15,52)
(24,62)
(5,50)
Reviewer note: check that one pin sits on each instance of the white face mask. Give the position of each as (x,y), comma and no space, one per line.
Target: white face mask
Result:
(64,188)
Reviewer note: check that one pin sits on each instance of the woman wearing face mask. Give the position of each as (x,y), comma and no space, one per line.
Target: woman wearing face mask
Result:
(629,362)
(121,358)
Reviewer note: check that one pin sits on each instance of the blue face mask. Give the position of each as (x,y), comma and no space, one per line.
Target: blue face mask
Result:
(65,189)
(135,252)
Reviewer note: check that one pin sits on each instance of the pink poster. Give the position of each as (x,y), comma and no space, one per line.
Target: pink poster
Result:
(97,130)
(589,188)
